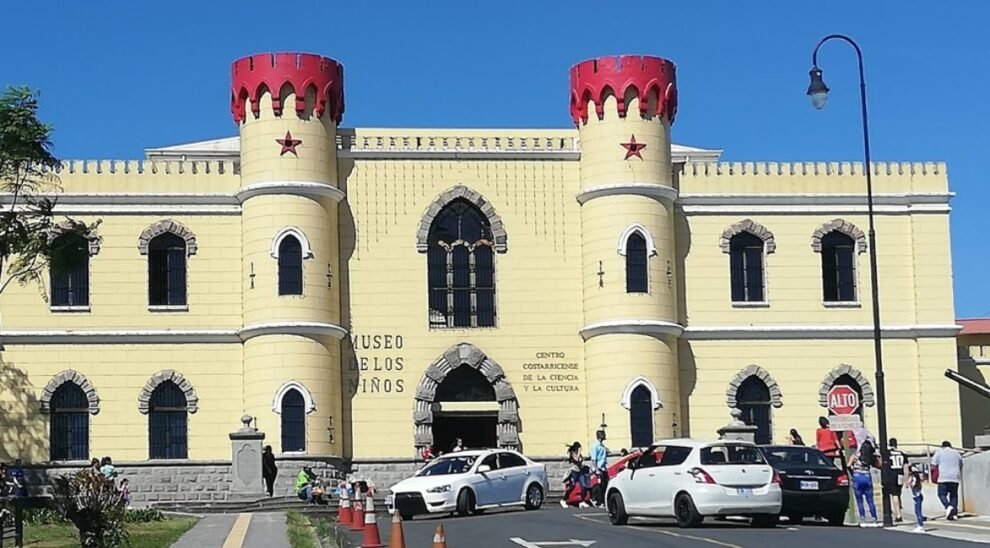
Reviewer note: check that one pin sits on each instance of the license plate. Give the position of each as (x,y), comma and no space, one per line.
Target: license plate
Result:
(809,485)
(744,492)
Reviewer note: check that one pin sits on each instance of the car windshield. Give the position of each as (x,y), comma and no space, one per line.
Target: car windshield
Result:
(731,454)
(796,456)
(448,465)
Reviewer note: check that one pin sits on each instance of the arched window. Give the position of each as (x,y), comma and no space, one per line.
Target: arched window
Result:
(838,267)
(753,399)
(746,268)
(461,267)
(69,409)
(167,270)
(69,271)
(637,277)
(641,417)
(290,276)
(293,421)
(167,422)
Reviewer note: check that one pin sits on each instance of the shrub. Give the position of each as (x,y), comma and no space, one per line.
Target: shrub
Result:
(143,515)
(43,516)
(93,505)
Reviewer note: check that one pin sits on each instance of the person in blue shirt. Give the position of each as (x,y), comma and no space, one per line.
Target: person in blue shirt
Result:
(16,474)
(599,464)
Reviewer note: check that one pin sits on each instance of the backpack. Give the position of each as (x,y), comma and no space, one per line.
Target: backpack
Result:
(868,454)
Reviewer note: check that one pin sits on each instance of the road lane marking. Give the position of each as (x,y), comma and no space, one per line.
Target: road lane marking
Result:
(235,539)
(540,544)
(668,533)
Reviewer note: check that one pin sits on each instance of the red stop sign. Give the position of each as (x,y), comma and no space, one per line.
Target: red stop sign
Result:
(843,400)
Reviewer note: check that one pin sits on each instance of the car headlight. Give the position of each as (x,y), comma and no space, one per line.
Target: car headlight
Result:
(439,489)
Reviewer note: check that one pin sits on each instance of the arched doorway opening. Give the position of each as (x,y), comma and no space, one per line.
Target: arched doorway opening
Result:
(464,394)
(753,399)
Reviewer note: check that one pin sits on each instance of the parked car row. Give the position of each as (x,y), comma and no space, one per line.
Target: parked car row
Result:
(685,479)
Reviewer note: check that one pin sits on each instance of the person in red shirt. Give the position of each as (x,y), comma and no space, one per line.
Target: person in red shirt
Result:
(826,440)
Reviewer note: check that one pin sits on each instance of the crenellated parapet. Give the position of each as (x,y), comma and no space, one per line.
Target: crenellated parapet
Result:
(153,167)
(652,78)
(251,76)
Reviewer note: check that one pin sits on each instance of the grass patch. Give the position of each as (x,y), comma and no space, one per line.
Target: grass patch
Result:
(154,534)
(301,532)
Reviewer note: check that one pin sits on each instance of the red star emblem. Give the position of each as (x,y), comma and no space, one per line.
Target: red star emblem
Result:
(289,144)
(633,148)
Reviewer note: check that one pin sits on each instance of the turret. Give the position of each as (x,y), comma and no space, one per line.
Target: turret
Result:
(623,107)
(287,107)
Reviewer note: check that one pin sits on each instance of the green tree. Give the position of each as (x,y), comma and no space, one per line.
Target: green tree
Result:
(28,189)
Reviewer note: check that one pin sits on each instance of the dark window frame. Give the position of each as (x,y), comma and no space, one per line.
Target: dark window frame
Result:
(641,423)
(747,268)
(293,422)
(70,287)
(168,275)
(839,268)
(69,423)
(753,398)
(290,266)
(168,423)
(461,268)
(637,263)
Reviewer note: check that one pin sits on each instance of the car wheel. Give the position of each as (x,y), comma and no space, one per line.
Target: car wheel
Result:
(617,509)
(795,519)
(534,496)
(837,519)
(685,511)
(465,503)
(765,521)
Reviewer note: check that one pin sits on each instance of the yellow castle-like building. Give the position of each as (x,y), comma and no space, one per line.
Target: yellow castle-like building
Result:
(367,293)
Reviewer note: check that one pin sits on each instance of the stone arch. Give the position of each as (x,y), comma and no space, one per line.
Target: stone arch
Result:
(651,247)
(293,385)
(168,225)
(754,228)
(842,226)
(144,398)
(74,377)
(466,355)
(637,382)
(72,227)
(776,397)
(869,400)
(472,196)
(307,250)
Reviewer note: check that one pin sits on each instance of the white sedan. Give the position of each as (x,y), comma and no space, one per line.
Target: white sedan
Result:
(691,479)
(468,481)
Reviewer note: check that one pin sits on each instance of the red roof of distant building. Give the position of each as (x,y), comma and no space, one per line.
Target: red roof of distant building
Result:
(975,326)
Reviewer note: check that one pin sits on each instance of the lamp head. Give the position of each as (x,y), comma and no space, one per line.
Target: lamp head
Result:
(817,89)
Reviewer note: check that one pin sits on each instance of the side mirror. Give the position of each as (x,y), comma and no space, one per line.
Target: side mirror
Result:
(484,468)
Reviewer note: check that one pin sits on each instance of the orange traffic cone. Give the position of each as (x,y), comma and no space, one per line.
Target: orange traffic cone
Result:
(357,516)
(372,539)
(344,516)
(397,539)
(439,538)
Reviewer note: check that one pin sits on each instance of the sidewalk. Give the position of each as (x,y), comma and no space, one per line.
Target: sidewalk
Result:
(262,530)
(967,527)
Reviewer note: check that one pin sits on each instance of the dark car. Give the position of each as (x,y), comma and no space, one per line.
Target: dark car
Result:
(811,483)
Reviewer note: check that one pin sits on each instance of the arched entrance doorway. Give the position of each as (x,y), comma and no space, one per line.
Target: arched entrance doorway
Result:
(464,394)
(846,375)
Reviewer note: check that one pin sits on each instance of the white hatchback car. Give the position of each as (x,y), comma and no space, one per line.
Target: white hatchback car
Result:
(468,481)
(691,479)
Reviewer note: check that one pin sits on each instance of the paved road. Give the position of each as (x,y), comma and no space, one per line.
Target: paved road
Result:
(555,525)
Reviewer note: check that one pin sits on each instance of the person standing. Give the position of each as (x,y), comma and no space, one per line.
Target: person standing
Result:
(458,445)
(108,470)
(892,480)
(949,464)
(16,474)
(862,464)
(794,438)
(827,442)
(916,483)
(269,471)
(599,463)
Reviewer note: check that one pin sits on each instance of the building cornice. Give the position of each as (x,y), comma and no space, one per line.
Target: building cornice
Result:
(748,204)
(653,328)
(651,190)
(796,332)
(311,189)
(311,330)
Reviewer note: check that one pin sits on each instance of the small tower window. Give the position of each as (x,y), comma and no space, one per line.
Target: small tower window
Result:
(290,275)
(293,421)
(69,273)
(746,268)
(838,267)
(637,276)
(167,270)
(69,427)
(167,422)
(641,417)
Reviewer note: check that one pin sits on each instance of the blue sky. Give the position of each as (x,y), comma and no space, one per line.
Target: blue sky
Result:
(119,76)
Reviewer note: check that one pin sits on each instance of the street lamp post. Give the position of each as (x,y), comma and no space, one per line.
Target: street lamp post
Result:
(818,92)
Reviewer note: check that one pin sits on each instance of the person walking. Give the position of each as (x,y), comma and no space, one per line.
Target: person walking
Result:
(861,464)
(577,476)
(599,464)
(269,471)
(949,463)
(916,483)
(892,478)
(794,438)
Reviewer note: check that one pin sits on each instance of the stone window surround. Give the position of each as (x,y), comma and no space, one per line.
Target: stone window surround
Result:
(842,226)
(651,248)
(637,382)
(171,226)
(776,397)
(833,375)
(466,355)
(754,228)
(310,405)
(472,196)
(307,250)
(74,377)
(144,397)
(69,227)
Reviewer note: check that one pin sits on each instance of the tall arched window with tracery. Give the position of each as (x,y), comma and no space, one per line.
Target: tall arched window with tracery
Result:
(461,265)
